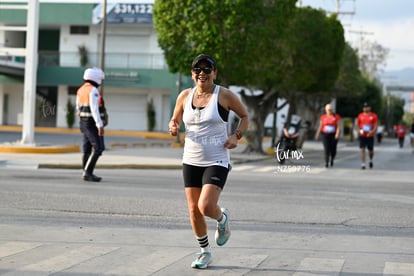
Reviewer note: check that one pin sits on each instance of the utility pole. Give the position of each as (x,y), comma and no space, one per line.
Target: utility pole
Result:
(338,8)
(103,38)
(361,36)
(364,51)
(362,47)
(341,11)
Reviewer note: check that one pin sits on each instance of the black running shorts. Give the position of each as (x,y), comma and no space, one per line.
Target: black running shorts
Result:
(366,142)
(195,176)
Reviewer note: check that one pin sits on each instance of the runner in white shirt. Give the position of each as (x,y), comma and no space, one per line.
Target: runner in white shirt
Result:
(204,110)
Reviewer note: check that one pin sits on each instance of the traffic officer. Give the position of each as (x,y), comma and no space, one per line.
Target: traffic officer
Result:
(91,111)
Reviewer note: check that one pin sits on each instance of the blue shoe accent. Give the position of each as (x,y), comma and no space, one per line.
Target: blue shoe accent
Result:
(223,230)
(202,261)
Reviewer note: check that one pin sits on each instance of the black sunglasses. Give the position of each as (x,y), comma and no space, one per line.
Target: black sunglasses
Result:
(206,70)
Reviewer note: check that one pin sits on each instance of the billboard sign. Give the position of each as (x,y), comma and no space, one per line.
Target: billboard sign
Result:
(124,13)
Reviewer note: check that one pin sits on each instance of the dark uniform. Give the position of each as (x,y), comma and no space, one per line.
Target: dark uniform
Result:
(91,111)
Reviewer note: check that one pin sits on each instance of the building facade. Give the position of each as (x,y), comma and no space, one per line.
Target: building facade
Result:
(70,41)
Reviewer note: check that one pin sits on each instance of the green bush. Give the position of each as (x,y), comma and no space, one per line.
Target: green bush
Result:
(150,115)
(83,55)
(70,114)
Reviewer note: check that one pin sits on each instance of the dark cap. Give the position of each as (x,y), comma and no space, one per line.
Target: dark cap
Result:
(366,104)
(204,57)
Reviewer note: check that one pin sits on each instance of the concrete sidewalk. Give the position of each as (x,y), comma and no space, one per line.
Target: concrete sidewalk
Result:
(60,148)
(126,158)
(153,150)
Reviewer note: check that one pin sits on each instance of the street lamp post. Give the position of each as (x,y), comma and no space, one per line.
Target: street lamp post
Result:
(29,99)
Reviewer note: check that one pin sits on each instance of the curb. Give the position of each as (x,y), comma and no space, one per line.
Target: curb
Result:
(10,148)
(143,134)
(40,149)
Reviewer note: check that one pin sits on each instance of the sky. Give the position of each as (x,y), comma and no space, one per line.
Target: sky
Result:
(389,23)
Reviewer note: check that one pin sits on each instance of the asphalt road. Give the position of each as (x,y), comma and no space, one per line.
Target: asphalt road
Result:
(299,219)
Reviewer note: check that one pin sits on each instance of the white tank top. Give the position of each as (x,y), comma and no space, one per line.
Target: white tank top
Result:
(205,133)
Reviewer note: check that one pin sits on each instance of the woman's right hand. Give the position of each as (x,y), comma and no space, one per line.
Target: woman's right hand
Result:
(173,128)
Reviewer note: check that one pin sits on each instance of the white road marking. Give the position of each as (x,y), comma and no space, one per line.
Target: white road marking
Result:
(319,266)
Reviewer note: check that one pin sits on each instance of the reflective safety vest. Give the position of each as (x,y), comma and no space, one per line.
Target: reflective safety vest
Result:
(83,95)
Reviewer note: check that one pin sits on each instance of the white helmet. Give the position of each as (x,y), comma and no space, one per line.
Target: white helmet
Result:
(94,74)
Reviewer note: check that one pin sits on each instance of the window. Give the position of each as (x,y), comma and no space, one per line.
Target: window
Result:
(72,90)
(84,30)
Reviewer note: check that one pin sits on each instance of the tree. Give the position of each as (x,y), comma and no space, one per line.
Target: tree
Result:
(351,105)
(224,29)
(372,56)
(349,84)
(313,58)
(394,111)
(314,53)
(266,70)
(267,46)
(350,81)
(239,34)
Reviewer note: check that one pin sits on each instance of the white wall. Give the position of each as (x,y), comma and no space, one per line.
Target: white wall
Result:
(69,45)
(121,42)
(2,37)
(165,113)
(15,92)
(62,100)
(162,102)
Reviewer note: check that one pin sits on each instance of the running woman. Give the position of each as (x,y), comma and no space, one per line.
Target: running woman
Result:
(204,110)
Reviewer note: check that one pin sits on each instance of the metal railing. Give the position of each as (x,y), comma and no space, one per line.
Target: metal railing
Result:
(112,60)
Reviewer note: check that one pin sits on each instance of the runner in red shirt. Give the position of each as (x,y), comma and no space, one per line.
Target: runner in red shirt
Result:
(330,130)
(367,123)
(412,136)
(401,134)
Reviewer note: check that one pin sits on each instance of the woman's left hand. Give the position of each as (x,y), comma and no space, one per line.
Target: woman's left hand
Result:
(231,142)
